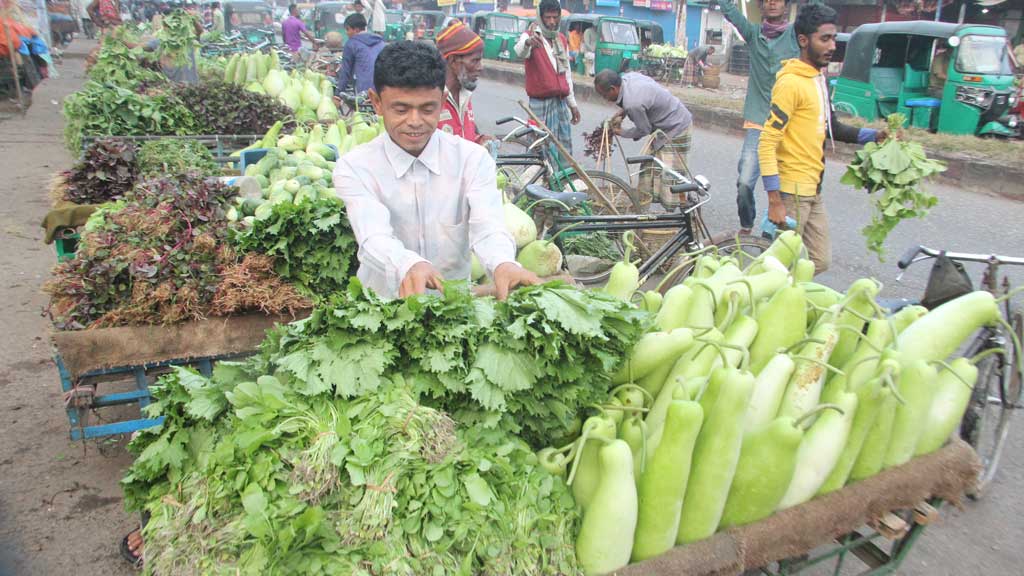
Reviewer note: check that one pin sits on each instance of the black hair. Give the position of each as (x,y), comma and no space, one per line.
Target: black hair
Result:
(549,6)
(606,79)
(356,21)
(408,64)
(357,2)
(811,17)
(292,7)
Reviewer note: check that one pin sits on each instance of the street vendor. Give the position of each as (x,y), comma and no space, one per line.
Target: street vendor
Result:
(655,112)
(420,201)
(463,53)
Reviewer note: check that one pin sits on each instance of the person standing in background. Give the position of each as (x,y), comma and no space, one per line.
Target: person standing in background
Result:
(293,30)
(768,43)
(218,18)
(463,53)
(359,56)
(548,74)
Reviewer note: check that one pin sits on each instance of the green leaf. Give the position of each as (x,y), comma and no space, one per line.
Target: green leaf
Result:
(478,489)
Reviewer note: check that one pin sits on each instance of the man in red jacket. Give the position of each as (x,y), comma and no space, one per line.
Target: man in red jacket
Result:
(463,53)
(548,74)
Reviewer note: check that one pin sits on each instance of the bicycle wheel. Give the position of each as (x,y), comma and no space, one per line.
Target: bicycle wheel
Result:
(591,255)
(985,425)
(745,247)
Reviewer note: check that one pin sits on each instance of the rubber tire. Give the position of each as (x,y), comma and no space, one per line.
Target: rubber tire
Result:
(726,245)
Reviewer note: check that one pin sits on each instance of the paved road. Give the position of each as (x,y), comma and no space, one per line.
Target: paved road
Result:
(986,537)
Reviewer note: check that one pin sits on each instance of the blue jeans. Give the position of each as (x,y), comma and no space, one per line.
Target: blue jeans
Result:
(749,173)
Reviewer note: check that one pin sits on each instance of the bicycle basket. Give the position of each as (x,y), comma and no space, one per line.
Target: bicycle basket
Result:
(947,281)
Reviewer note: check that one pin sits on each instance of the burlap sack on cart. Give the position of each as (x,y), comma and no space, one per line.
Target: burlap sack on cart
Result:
(86,350)
(946,474)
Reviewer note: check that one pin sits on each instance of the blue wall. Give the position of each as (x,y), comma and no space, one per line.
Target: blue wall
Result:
(665,18)
(693,30)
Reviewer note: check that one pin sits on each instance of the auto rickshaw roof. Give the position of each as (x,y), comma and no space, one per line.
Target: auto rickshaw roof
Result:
(334,4)
(248,5)
(648,24)
(860,50)
(426,12)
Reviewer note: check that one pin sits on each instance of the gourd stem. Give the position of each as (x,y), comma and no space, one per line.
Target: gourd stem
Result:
(946,366)
(647,395)
(814,412)
(982,355)
(581,444)
(826,365)
(895,389)
(860,336)
(804,341)
(1010,294)
(714,300)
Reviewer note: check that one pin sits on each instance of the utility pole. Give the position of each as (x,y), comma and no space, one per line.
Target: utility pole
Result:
(681,23)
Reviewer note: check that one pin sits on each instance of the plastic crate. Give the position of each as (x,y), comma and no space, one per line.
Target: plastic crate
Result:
(66,244)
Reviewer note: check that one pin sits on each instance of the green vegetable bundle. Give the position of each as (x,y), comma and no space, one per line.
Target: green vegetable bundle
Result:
(893,173)
(177,36)
(222,108)
(106,172)
(311,242)
(162,257)
(175,156)
(332,452)
(123,66)
(101,109)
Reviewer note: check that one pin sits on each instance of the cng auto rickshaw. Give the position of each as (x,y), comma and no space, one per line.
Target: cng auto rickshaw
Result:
(650,33)
(254,20)
(330,17)
(424,24)
(499,32)
(952,78)
(608,42)
(395,29)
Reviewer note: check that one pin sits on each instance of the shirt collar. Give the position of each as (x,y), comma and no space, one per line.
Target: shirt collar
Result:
(401,161)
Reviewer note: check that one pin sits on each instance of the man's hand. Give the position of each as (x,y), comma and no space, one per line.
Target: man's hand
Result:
(509,275)
(421,276)
(534,39)
(616,129)
(575,114)
(483,139)
(882,135)
(776,209)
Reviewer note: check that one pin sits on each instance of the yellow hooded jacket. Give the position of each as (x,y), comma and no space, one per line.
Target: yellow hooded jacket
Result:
(792,146)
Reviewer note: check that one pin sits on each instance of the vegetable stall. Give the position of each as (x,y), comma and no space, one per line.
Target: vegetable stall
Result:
(293,422)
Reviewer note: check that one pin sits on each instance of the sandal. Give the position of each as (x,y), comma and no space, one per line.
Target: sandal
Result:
(126,552)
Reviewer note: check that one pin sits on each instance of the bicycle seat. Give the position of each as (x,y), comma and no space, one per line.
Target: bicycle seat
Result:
(570,199)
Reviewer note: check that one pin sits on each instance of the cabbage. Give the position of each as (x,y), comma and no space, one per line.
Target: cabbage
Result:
(541,257)
(326,111)
(274,83)
(310,95)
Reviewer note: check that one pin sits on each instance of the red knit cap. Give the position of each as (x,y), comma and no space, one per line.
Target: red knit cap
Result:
(457,40)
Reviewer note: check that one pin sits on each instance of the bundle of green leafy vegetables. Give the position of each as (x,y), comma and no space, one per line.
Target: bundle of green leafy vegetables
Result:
(106,172)
(312,244)
(381,437)
(175,156)
(892,172)
(224,108)
(248,476)
(529,364)
(105,109)
(123,66)
(177,36)
(161,257)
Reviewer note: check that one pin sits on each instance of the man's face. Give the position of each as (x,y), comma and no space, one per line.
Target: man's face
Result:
(350,32)
(294,12)
(551,19)
(410,115)
(773,9)
(610,94)
(468,68)
(820,45)
(358,8)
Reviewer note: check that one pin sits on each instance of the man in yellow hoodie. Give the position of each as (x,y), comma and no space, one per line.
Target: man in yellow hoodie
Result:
(800,119)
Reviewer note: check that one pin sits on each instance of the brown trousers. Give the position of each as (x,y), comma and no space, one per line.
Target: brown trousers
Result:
(812,224)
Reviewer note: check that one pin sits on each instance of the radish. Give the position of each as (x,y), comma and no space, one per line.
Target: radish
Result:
(542,257)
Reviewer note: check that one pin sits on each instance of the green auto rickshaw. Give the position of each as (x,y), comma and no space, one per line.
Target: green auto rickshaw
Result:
(650,33)
(330,17)
(608,41)
(395,29)
(499,31)
(253,19)
(953,78)
(424,24)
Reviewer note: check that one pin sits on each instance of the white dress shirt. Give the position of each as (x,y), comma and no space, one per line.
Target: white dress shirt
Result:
(435,208)
(523,49)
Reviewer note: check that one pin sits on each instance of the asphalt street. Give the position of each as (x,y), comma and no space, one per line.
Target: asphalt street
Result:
(984,537)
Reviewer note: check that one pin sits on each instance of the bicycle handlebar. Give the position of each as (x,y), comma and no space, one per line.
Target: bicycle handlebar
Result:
(910,257)
(504,120)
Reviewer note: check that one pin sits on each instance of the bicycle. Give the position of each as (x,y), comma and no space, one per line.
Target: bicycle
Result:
(351,103)
(997,392)
(537,166)
(691,238)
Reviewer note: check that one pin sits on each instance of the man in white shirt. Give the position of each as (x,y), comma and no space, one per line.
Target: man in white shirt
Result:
(545,52)
(419,200)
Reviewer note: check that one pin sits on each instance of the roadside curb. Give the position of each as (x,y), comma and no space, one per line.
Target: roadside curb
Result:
(961,169)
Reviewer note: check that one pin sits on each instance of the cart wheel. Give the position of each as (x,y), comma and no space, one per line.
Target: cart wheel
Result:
(745,247)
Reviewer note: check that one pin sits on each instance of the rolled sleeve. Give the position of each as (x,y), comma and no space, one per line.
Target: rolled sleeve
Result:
(489,238)
(523,47)
(380,252)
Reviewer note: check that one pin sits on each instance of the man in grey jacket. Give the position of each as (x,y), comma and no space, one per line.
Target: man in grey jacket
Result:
(654,112)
